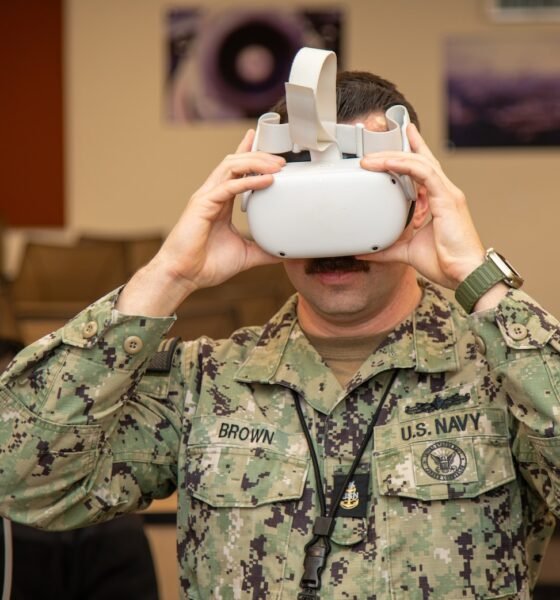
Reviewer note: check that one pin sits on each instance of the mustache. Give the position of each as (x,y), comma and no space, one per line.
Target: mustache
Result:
(336,263)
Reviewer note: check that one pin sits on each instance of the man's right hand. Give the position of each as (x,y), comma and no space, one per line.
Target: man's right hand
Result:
(204,248)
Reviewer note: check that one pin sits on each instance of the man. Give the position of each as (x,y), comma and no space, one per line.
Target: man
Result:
(453,496)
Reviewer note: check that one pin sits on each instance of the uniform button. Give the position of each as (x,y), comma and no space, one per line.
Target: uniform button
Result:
(133,344)
(518,332)
(480,344)
(89,330)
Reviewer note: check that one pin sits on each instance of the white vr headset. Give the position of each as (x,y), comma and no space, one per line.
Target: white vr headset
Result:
(328,206)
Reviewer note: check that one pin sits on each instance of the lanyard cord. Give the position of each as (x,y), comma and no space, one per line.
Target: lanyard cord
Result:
(318,549)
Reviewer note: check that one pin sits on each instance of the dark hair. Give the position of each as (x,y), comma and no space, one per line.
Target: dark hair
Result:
(359,93)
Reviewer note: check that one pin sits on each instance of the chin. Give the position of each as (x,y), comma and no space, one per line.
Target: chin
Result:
(341,307)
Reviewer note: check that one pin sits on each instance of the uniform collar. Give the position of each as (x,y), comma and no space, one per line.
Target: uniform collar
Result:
(283,355)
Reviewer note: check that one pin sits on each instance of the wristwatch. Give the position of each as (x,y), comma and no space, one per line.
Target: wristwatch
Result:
(493,270)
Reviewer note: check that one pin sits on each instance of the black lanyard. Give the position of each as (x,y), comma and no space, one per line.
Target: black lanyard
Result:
(318,548)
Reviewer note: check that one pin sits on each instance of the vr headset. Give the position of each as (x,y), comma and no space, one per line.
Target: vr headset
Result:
(328,206)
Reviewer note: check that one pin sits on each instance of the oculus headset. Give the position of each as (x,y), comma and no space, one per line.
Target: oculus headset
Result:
(328,206)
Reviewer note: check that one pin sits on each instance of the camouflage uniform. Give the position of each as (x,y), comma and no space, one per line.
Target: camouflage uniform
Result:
(463,473)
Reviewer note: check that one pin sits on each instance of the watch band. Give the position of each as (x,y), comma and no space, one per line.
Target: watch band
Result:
(477,284)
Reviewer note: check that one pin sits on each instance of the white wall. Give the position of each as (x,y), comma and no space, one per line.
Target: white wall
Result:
(128,170)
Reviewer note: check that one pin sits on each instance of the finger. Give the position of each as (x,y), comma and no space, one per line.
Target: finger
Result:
(375,161)
(239,165)
(216,204)
(245,156)
(385,154)
(228,189)
(275,158)
(421,171)
(419,146)
(372,161)
(247,142)
(426,163)
(251,166)
(420,151)
(417,143)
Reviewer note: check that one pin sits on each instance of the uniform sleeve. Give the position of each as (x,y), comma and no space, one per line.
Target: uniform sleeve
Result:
(85,432)
(522,343)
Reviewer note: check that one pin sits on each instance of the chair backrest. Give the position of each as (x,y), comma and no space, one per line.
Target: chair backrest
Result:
(8,322)
(137,251)
(57,281)
(78,273)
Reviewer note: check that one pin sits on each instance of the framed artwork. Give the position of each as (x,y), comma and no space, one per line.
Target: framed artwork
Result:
(523,11)
(503,91)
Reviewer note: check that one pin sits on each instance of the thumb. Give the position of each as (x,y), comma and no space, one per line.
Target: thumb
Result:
(398,252)
(256,256)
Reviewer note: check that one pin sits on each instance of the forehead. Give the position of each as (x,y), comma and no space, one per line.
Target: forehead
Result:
(374,121)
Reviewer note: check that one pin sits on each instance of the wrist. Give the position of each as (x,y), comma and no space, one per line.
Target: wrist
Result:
(155,290)
(491,298)
(468,266)
(487,284)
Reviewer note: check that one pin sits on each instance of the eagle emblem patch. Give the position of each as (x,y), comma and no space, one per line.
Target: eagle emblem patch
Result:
(444,461)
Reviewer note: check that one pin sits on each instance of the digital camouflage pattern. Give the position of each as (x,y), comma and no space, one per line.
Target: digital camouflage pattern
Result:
(464,472)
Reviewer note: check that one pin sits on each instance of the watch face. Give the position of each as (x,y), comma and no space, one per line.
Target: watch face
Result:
(512,277)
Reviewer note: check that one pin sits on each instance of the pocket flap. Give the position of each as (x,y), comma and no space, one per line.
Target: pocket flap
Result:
(243,477)
(442,469)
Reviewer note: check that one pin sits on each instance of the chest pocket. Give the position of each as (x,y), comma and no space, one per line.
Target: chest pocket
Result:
(230,477)
(443,481)
(239,506)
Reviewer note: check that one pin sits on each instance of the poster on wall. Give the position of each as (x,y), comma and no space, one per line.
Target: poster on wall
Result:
(524,11)
(233,63)
(503,91)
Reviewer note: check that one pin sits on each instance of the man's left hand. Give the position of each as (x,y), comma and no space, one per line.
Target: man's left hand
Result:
(447,248)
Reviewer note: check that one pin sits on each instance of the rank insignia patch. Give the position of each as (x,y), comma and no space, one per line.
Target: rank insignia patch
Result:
(354,499)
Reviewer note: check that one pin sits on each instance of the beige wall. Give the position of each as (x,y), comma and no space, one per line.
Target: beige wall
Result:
(128,170)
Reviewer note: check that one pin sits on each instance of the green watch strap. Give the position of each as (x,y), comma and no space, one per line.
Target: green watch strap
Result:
(477,284)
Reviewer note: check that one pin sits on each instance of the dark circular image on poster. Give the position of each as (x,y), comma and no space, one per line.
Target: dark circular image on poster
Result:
(249,64)
(234,63)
